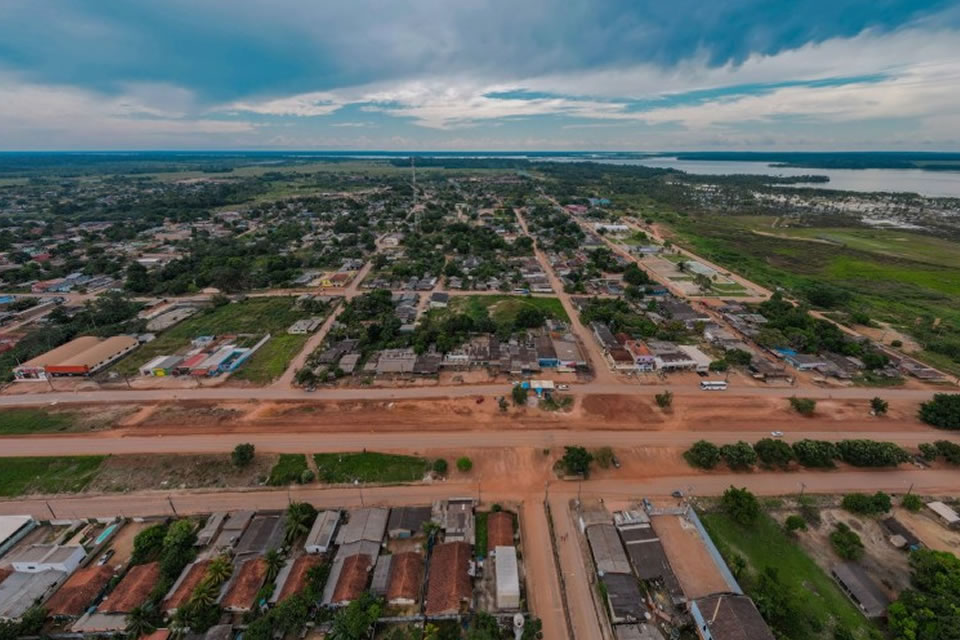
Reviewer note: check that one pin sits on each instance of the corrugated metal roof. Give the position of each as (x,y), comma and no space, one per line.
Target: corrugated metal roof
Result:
(63,352)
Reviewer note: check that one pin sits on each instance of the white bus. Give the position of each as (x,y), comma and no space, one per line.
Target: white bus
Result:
(713,385)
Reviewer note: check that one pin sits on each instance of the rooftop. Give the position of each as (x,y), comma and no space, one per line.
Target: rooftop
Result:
(406,576)
(732,617)
(449,584)
(246,582)
(186,583)
(78,592)
(297,578)
(353,579)
(133,590)
(499,530)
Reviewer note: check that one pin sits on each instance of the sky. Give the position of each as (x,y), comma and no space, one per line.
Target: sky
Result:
(623,75)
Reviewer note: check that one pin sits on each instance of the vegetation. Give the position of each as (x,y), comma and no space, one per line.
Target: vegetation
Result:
(911,502)
(815,453)
(29,625)
(739,456)
(774,453)
(928,610)
(741,505)
(576,461)
(356,620)
(703,454)
(845,542)
(604,457)
(299,519)
(795,523)
(942,411)
(242,455)
(949,450)
(664,400)
(464,464)
(879,406)
(864,504)
(440,467)
(803,406)
(290,468)
(63,474)
(18,421)
(369,466)
(292,613)
(519,395)
(869,453)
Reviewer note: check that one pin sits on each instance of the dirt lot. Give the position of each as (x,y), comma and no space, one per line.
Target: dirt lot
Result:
(195,413)
(926,526)
(692,564)
(122,543)
(886,564)
(139,472)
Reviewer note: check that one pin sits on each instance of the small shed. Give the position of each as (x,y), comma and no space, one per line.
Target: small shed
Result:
(945,513)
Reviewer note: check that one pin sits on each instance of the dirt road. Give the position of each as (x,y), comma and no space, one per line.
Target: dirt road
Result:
(543,589)
(577,579)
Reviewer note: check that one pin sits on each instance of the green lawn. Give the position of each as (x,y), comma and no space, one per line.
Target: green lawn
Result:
(504,308)
(765,545)
(480,548)
(15,421)
(369,467)
(254,316)
(288,469)
(67,474)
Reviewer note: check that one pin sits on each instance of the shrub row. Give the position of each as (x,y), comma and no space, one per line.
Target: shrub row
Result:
(770,452)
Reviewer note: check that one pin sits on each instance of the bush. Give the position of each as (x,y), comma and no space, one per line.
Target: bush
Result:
(864,504)
(846,542)
(795,523)
(738,357)
(576,461)
(739,456)
(911,502)
(803,406)
(774,453)
(869,453)
(604,457)
(741,505)
(896,344)
(928,451)
(703,454)
(664,400)
(879,406)
(519,395)
(719,365)
(949,450)
(307,476)
(943,411)
(242,455)
(440,467)
(815,453)
(464,464)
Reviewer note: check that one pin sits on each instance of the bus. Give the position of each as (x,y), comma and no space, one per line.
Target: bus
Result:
(713,385)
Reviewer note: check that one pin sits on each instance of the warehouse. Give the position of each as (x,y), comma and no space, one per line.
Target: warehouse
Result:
(81,356)
(508,578)
(13,529)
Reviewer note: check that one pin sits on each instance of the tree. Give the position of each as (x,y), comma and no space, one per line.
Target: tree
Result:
(737,565)
(739,456)
(664,400)
(356,620)
(519,395)
(719,365)
(703,454)
(242,455)
(869,453)
(440,467)
(795,523)
(576,461)
(928,610)
(864,504)
(219,570)
(815,453)
(879,406)
(942,411)
(774,453)
(803,406)
(148,544)
(138,279)
(911,502)
(738,357)
(604,457)
(274,563)
(299,518)
(141,621)
(949,450)
(845,542)
(741,505)
(464,464)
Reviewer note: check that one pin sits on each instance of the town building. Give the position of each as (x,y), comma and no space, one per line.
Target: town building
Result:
(449,587)
(507,577)
(728,616)
(406,576)
(861,589)
(80,357)
(320,538)
(406,522)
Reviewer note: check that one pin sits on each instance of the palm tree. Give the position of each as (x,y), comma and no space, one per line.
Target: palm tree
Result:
(274,563)
(205,593)
(140,622)
(219,570)
(300,516)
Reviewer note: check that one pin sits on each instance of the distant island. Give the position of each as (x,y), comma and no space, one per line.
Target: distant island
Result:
(927,161)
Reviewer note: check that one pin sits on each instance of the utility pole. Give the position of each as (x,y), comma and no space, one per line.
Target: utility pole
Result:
(802,487)
(172,508)
(50,509)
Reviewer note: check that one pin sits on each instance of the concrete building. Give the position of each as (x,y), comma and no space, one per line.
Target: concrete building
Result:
(48,557)
(728,616)
(508,577)
(320,538)
(608,553)
(21,590)
(305,326)
(13,529)
(368,524)
(407,522)
(457,519)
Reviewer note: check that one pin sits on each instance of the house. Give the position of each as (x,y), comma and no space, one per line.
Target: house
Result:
(861,589)
(182,590)
(381,576)
(439,300)
(802,361)
(643,358)
(367,524)
(946,514)
(608,553)
(233,529)
(569,356)
(133,590)
(701,360)
(507,577)
(449,586)
(457,519)
(623,597)
(20,590)
(646,552)
(728,616)
(604,336)
(352,581)
(210,529)
(79,591)
(305,325)
(48,557)
(320,538)
(241,593)
(292,579)
(393,361)
(407,522)
(499,530)
(264,532)
(406,576)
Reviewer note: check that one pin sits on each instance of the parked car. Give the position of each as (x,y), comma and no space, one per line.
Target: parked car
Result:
(776,434)
(562,387)
(105,557)
(677,493)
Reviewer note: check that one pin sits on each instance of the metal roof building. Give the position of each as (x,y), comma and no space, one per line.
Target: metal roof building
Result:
(321,533)
(608,553)
(861,589)
(508,577)
(729,616)
(364,524)
(947,514)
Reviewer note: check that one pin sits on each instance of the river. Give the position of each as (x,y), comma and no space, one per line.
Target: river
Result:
(934,184)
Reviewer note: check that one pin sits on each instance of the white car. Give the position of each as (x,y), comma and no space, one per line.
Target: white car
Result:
(776,434)
(563,387)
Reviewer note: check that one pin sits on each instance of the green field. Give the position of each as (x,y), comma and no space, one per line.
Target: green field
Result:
(253,316)
(288,469)
(14,421)
(765,545)
(503,309)
(67,474)
(904,279)
(369,467)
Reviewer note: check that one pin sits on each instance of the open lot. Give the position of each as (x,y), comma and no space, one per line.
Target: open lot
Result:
(503,309)
(139,472)
(369,467)
(20,421)
(66,474)
(288,469)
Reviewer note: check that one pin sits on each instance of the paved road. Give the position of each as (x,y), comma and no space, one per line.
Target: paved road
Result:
(120,443)
(115,396)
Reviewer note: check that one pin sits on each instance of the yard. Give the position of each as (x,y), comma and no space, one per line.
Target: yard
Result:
(503,309)
(66,474)
(288,469)
(369,467)
(763,545)
(256,316)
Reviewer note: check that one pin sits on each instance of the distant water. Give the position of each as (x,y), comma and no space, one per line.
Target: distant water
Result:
(935,184)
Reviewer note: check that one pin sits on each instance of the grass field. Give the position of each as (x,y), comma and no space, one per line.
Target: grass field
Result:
(67,474)
(369,467)
(905,279)
(503,309)
(765,545)
(288,469)
(14,421)
(253,315)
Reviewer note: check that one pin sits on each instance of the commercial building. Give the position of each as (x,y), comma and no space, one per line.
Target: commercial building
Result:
(508,577)
(728,616)
(79,357)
